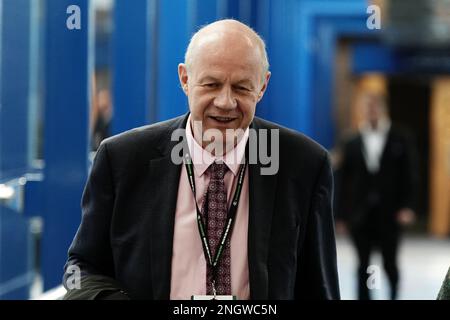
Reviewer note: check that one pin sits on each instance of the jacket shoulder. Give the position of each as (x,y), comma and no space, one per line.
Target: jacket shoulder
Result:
(293,142)
(148,137)
(300,157)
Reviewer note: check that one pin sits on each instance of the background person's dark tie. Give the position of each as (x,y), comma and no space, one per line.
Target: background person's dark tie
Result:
(215,210)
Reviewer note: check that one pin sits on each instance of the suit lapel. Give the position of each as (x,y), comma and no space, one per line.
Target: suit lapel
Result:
(261,206)
(163,180)
(386,148)
(362,153)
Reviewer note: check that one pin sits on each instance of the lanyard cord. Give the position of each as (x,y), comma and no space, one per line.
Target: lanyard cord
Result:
(213,261)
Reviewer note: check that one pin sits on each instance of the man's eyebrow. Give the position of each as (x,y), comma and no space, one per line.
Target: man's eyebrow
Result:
(209,79)
(246,82)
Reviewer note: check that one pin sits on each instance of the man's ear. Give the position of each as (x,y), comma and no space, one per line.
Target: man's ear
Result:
(264,87)
(183,76)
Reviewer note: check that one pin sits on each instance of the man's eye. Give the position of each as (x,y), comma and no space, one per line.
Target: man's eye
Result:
(240,88)
(211,85)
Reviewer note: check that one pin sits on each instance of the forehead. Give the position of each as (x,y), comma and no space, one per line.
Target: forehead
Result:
(217,54)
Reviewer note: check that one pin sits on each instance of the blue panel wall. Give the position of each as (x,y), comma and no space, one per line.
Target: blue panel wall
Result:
(283,51)
(131,64)
(67,83)
(15,271)
(15,33)
(231,8)
(376,57)
(301,36)
(371,57)
(202,12)
(174,31)
(261,22)
(330,26)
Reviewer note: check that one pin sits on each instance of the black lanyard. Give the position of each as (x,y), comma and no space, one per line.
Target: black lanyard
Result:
(230,217)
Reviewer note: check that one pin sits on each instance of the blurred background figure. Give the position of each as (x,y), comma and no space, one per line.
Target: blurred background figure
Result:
(101,118)
(377,182)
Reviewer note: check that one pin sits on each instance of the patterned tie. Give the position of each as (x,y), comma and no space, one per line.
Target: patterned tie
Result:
(215,210)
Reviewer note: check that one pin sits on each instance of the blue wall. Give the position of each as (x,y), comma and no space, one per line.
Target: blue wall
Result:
(131,64)
(15,261)
(14,88)
(67,99)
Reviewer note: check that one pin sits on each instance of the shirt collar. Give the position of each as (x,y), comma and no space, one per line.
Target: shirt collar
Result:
(202,159)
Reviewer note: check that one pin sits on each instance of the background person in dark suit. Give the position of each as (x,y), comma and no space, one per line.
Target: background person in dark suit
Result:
(377,187)
(139,237)
(102,115)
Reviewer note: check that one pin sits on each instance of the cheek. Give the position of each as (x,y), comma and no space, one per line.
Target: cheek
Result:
(248,108)
(198,104)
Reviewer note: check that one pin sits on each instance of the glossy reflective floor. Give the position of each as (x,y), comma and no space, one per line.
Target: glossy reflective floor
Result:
(423,265)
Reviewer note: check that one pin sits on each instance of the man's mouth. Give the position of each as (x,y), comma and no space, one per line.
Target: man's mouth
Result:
(223,119)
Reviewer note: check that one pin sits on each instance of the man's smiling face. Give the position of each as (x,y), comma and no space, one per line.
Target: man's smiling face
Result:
(225,80)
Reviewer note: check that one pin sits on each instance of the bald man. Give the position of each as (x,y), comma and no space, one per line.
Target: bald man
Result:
(193,207)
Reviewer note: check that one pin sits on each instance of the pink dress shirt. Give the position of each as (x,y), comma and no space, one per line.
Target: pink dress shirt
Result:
(188,261)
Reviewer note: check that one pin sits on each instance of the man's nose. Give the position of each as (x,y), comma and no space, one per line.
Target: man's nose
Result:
(225,99)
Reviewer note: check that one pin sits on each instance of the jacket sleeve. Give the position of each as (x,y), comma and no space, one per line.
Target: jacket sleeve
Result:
(97,287)
(90,250)
(409,174)
(343,177)
(317,276)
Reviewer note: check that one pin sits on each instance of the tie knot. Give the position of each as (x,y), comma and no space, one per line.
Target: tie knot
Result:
(218,170)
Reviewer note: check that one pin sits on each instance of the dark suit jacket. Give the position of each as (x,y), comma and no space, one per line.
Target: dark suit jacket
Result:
(129,205)
(444,292)
(392,188)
